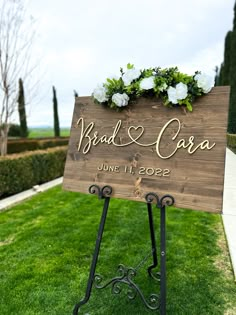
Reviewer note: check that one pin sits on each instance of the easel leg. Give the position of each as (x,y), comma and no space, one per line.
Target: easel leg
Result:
(153,240)
(95,257)
(163,259)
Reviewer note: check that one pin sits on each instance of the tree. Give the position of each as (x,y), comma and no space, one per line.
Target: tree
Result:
(220,78)
(76,94)
(217,76)
(16,38)
(225,75)
(21,110)
(55,113)
(232,105)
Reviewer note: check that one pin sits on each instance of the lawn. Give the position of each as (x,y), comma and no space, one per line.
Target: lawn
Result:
(47,132)
(46,245)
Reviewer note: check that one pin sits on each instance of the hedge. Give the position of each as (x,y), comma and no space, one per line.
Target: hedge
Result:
(22,145)
(231,141)
(19,172)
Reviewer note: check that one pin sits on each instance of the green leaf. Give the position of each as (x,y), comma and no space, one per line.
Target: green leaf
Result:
(189,106)
(130,66)
(110,81)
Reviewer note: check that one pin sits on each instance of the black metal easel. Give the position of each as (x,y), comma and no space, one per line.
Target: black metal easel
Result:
(127,275)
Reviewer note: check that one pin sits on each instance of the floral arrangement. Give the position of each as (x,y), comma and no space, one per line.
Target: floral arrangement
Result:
(172,86)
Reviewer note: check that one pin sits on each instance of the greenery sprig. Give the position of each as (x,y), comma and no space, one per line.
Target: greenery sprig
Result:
(173,87)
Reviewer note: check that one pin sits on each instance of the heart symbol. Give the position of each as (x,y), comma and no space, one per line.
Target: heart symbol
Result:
(139,130)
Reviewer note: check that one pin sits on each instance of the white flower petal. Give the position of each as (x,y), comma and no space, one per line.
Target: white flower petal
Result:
(181,91)
(147,83)
(130,75)
(205,81)
(172,97)
(120,99)
(99,94)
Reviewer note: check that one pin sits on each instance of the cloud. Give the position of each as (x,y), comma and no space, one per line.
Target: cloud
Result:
(206,59)
(83,42)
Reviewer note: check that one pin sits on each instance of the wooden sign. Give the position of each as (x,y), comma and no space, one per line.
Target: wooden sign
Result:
(147,147)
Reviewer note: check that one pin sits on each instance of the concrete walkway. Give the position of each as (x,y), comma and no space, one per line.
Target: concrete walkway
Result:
(10,201)
(229,205)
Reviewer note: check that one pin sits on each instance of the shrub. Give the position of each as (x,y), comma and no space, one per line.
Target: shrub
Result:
(19,172)
(22,145)
(14,130)
(231,141)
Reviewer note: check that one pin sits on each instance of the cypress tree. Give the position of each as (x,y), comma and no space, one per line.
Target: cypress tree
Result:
(76,94)
(217,76)
(55,114)
(21,110)
(227,60)
(221,74)
(232,105)
(234,22)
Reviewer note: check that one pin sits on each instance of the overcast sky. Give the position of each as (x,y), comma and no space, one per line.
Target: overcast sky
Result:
(80,43)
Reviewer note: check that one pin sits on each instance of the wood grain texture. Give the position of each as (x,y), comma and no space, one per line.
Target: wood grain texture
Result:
(195,180)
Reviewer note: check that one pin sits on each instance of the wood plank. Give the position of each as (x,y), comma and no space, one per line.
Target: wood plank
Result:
(135,162)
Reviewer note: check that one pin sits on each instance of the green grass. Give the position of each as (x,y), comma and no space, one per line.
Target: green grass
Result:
(47,132)
(47,243)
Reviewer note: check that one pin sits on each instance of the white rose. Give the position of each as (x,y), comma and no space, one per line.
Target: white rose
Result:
(172,97)
(205,81)
(100,94)
(130,75)
(163,87)
(180,92)
(147,83)
(120,99)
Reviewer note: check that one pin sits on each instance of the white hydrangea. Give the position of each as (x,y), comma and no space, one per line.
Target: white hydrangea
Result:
(120,99)
(130,75)
(205,81)
(147,83)
(180,92)
(99,94)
